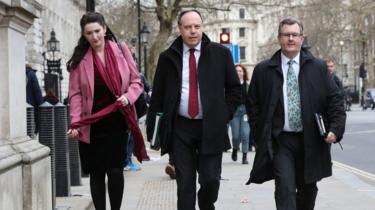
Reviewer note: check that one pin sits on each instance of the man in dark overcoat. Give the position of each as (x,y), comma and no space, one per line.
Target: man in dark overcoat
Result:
(284,94)
(331,67)
(33,94)
(197,89)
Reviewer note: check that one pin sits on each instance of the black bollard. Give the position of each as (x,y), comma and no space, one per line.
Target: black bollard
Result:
(75,166)
(61,151)
(47,138)
(30,120)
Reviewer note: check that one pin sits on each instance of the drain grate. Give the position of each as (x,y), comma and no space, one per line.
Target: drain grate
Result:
(158,195)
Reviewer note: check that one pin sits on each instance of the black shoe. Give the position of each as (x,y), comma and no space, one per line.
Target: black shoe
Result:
(234,155)
(244,158)
(170,170)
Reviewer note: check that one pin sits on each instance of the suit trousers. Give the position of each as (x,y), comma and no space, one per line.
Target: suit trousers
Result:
(188,161)
(291,191)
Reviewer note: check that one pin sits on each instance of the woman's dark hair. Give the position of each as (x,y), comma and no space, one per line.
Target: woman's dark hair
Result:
(83,45)
(244,70)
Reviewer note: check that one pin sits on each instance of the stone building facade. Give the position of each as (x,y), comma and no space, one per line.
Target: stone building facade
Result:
(242,26)
(54,16)
(25,169)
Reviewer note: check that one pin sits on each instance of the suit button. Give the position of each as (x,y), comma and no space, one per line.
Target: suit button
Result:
(87,98)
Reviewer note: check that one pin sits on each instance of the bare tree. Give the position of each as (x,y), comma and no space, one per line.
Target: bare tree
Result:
(326,23)
(362,22)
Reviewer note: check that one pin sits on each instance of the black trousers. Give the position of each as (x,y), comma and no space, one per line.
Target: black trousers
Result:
(188,161)
(291,191)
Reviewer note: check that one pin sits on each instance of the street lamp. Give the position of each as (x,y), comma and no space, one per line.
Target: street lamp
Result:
(53,45)
(144,39)
(53,76)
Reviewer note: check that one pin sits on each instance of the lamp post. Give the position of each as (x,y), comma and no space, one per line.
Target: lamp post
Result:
(53,76)
(144,39)
(139,32)
(343,73)
(90,5)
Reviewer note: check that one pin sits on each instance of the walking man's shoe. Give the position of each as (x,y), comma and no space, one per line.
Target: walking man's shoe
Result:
(169,169)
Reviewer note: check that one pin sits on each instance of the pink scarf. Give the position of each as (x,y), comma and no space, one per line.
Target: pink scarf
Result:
(113,82)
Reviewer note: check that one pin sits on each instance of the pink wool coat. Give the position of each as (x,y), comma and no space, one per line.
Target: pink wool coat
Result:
(81,85)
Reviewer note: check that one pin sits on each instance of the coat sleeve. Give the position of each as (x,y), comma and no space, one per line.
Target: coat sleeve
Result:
(135,85)
(157,97)
(232,86)
(253,100)
(75,96)
(335,112)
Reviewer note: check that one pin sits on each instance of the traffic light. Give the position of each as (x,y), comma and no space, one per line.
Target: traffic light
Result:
(224,38)
(362,71)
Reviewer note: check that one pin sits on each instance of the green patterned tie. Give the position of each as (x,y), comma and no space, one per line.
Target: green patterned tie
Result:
(294,103)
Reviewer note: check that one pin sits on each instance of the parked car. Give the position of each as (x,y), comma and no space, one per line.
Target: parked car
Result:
(369,99)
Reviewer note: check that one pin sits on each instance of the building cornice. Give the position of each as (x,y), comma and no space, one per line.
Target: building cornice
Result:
(17,19)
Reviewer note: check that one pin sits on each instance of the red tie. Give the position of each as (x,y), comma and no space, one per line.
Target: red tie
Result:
(193,109)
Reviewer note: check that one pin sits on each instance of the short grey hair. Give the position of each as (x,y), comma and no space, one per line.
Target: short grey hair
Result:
(291,21)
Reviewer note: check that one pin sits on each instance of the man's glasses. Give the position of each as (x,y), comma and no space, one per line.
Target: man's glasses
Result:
(287,35)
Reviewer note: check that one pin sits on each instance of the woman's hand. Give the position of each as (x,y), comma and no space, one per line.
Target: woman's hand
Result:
(73,133)
(123,100)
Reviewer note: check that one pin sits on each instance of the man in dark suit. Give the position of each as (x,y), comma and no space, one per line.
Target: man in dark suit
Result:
(331,67)
(284,93)
(33,94)
(197,89)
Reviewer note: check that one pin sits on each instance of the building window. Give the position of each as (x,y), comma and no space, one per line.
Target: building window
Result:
(225,30)
(241,32)
(242,53)
(242,13)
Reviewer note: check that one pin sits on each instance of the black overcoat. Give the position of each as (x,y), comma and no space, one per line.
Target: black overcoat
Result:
(319,94)
(220,94)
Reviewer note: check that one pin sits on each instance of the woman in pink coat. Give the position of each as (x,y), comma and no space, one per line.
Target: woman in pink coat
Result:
(103,86)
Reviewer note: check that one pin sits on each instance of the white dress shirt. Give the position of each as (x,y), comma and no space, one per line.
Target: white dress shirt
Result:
(184,102)
(285,67)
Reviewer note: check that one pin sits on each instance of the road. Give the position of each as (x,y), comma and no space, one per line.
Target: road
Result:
(358,141)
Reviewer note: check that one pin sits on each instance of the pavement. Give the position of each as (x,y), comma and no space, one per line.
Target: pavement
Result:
(151,189)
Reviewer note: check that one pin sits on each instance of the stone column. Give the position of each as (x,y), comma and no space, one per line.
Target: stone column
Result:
(25,171)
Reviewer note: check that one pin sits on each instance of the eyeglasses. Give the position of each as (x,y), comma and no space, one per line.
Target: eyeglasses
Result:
(287,35)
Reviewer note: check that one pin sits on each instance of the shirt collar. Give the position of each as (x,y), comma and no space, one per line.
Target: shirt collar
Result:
(197,48)
(285,60)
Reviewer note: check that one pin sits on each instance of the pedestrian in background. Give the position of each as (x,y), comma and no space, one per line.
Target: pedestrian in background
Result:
(33,94)
(331,66)
(129,164)
(239,124)
(285,92)
(197,90)
(103,87)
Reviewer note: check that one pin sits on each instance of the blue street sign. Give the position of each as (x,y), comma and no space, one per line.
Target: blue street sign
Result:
(235,52)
